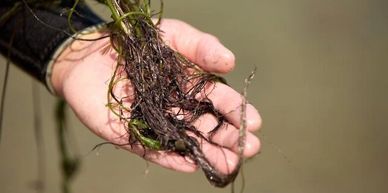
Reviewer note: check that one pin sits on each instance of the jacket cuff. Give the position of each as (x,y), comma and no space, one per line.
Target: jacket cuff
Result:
(37,36)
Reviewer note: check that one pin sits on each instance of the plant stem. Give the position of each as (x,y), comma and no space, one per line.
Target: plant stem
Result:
(116,15)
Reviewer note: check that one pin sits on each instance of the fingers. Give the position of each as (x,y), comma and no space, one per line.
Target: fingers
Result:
(228,102)
(199,47)
(228,136)
(223,159)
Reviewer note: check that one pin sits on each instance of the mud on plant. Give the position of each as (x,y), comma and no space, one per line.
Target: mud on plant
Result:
(166,86)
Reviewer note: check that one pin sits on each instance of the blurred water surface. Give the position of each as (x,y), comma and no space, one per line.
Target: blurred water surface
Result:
(321,87)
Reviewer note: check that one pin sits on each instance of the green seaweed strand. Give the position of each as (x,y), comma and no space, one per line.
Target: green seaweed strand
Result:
(135,126)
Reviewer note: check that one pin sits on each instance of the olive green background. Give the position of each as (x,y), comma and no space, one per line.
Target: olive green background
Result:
(321,87)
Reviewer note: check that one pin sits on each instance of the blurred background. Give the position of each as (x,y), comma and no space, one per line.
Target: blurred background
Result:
(321,88)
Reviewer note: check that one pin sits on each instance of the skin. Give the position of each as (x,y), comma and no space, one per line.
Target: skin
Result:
(82,72)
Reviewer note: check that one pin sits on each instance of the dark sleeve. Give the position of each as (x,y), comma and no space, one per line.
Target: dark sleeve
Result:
(35,38)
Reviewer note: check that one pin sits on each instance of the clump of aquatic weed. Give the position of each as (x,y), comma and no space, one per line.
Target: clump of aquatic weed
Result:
(166,87)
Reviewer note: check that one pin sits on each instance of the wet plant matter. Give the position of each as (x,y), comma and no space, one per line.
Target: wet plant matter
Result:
(166,86)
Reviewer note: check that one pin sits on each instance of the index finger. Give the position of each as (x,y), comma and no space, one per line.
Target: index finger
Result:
(199,47)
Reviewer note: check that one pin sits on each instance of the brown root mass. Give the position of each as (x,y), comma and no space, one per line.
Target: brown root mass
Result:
(166,88)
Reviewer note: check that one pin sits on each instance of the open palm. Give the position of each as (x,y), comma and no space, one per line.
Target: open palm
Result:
(83,70)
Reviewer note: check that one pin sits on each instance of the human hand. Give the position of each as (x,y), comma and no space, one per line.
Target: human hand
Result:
(82,72)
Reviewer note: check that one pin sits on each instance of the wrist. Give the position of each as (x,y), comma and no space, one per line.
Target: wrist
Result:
(74,53)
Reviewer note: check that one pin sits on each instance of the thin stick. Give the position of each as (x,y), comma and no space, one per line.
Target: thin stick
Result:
(243,128)
(39,140)
(5,83)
